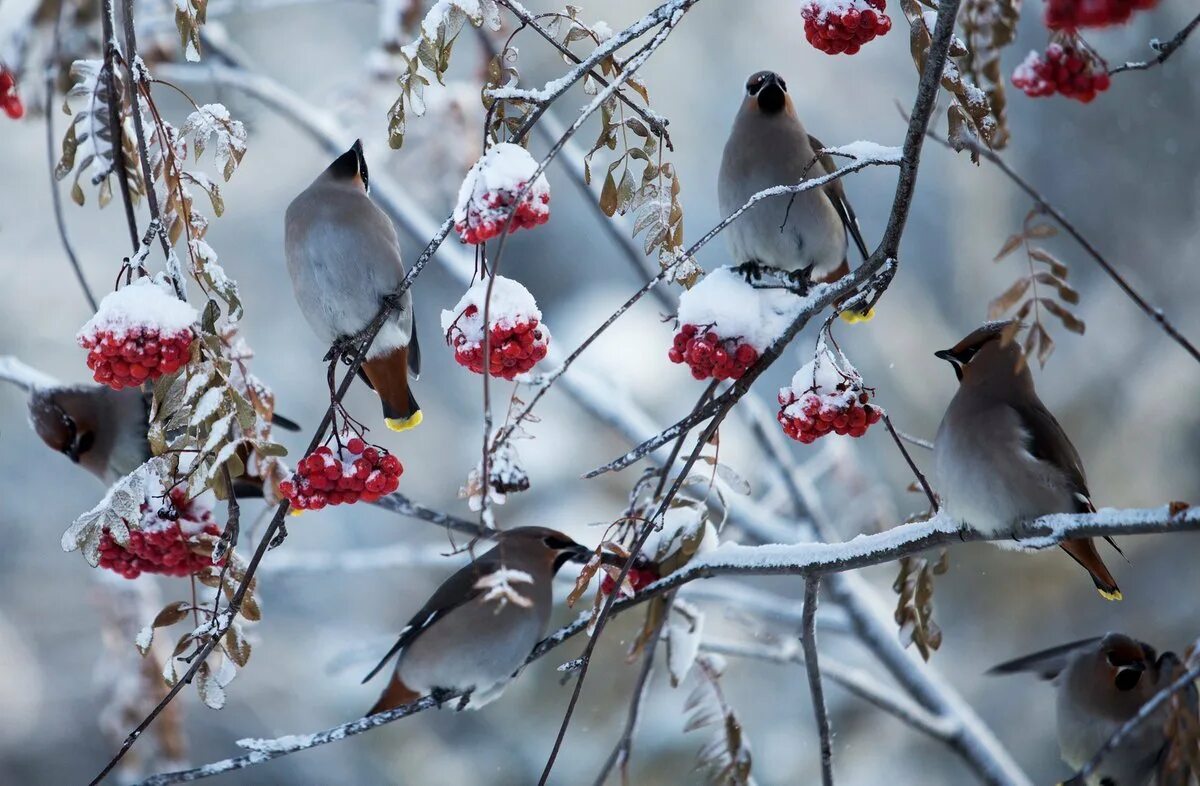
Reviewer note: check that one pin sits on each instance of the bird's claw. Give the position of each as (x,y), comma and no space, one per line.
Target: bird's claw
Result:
(441,695)
(751,271)
(800,281)
(463,702)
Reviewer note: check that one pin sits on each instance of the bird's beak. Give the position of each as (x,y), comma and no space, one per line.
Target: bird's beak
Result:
(578,553)
(1129,676)
(945,354)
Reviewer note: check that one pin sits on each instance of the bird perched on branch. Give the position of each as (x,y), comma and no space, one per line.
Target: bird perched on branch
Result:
(344,260)
(805,234)
(1101,683)
(1000,457)
(481,624)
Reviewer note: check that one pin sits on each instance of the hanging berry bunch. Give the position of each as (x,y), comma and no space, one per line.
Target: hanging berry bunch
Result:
(357,471)
(1073,14)
(826,395)
(9,100)
(167,540)
(725,324)
(843,26)
(1067,67)
(139,333)
(489,192)
(517,338)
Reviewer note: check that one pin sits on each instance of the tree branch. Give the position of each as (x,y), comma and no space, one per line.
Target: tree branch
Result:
(1164,50)
(809,640)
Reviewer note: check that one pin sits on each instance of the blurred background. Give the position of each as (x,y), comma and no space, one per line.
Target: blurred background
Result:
(1124,168)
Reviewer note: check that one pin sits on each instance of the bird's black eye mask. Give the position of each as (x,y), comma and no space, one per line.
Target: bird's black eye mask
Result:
(77,444)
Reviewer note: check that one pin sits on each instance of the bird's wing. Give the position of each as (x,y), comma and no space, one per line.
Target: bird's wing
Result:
(455,591)
(1049,443)
(1048,663)
(837,195)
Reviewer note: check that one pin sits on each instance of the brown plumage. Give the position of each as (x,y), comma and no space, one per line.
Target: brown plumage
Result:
(388,376)
(1000,456)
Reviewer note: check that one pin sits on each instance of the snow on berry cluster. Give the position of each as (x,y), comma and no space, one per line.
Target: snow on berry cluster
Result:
(165,542)
(725,324)
(518,339)
(139,333)
(9,100)
(823,399)
(842,26)
(489,192)
(327,478)
(1064,68)
(1072,14)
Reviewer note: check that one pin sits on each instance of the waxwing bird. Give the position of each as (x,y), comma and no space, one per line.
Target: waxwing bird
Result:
(344,259)
(105,430)
(769,146)
(463,641)
(1101,683)
(1000,457)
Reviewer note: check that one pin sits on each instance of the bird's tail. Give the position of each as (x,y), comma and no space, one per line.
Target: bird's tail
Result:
(388,375)
(1083,551)
(396,694)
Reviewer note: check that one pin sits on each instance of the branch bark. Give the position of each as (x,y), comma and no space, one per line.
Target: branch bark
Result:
(808,638)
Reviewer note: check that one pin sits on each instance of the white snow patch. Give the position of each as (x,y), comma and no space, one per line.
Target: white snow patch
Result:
(510,303)
(723,302)
(862,150)
(504,167)
(147,302)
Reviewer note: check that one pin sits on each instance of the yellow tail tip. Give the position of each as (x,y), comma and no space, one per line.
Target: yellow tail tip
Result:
(1113,595)
(404,424)
(854,317)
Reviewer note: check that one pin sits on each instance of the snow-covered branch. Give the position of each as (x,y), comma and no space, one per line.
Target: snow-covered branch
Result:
(24,376)
(1164,48)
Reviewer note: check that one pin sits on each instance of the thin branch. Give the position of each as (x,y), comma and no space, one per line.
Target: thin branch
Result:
(1154,313)
(1164,50)
(51,142)
(115,129)
(933,502)
(1130,726)
(808,638)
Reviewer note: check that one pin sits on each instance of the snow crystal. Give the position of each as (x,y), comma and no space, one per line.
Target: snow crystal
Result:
(602,31)
(144,637)
(863,150)
(498,586)
(683,639)
(147,302)
(510,303)
(504,167)
(724,302)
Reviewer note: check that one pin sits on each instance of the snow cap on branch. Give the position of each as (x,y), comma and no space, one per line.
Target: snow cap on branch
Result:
(724,302)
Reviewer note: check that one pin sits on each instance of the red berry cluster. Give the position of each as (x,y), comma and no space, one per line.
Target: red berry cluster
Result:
(487,215)
(9,100)
(122,359)
(1071,71)
(323,478)
(165,541)
(1072,14)
(809,414)
(514,348)
(709,355)
(637,577)
(843,28)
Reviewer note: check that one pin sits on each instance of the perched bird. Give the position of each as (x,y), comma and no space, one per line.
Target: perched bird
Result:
(463,640)
(344,259)
(1101,683)
(1000,457)
(804,234)
(104,430)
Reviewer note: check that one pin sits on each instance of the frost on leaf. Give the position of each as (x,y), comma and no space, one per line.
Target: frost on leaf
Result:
(429,53)
(914,606)
(120,506)
(989,26)
(1043,289)
(189,18)
(725,758)
(497,587)
(87,147)
(684,631)
(212,121)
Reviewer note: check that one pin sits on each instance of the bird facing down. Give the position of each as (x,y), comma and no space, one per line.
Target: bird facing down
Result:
(344,259)
(105,430)
(1000,457)
(805,234)
(1101,683)
(461,641)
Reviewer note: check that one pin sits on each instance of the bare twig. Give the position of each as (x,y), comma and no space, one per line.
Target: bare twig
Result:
(1154,313)
(111,54)
(933,502)
(808,637)
(1164,50)
(51,141)
(1128,727)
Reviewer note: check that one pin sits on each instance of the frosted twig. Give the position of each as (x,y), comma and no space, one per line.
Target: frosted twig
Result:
(1154,313)
(24,376)
(1164,50)
(112,53)
(933,502)
(808,639)
(1128,727)
(398,503)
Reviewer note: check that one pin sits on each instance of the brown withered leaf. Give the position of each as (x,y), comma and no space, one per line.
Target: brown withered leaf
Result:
(171,613)
(914,607)
(1069,320)
(1176,507)
(1012,244)
(1009,298)
(584,579)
